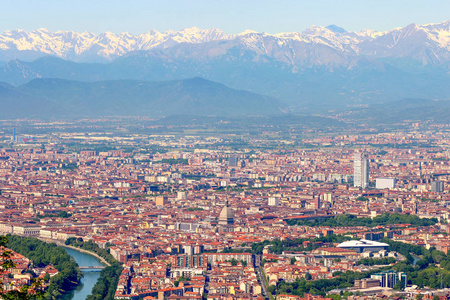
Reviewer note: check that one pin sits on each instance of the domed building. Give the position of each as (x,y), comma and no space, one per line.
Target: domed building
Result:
(226,215)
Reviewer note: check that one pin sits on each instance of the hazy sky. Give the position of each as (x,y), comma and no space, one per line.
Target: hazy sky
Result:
(232,16)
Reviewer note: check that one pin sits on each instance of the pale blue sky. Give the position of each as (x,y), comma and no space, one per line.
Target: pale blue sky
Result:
(232,16)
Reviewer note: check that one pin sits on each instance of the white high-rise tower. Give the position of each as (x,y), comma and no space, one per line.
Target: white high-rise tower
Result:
(361,170)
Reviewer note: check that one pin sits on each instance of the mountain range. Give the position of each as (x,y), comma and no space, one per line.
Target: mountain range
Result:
(332,45)
(321,69)
(59,98)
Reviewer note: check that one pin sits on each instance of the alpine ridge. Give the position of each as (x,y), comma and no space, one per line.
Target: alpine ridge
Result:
(330,46)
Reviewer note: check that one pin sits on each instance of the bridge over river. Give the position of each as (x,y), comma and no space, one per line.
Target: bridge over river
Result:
(91,267)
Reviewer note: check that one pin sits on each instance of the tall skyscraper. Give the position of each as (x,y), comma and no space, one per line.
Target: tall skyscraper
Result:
(232,161)
(437,186)
(361,170)
(317,203)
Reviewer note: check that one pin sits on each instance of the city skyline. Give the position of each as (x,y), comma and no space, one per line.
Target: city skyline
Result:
(225,150)
(163,211)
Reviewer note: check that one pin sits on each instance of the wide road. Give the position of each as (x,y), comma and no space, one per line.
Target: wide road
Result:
(260,276)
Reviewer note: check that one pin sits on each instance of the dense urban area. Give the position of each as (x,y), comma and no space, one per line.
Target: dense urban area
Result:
(186,212)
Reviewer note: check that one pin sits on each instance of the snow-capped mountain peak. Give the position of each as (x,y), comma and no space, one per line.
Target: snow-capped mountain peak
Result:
(412,40)
(247,32)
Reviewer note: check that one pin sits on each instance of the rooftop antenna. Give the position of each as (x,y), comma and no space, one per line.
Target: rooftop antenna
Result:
(226,195)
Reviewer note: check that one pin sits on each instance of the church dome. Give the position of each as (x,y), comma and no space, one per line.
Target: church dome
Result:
(226,215)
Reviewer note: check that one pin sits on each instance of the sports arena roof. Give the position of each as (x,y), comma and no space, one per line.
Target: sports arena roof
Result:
(361,243)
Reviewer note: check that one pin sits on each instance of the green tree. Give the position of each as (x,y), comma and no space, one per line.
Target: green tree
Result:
(271,289)
(400,285)
(26,292)
(234,262)
(44,254)
(409,259)
(180,279)
(437,256)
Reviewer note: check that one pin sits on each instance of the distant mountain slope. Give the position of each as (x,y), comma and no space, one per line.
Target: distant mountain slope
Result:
(404,110)
(15,103)
(311,90)
(317,70)
(55,98)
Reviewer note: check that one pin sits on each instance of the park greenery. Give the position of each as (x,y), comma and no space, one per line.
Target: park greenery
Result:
(319,287)
(174,161)
(61,214)
(298,245)
(351,220)
(427,268)
(44,254)
(235,262)
(32,291)
(106,284)
(369,261)
(70,166)
(424,267)
(194,209)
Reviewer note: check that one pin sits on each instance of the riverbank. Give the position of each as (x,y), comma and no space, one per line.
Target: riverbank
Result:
(106,285)
(59,243)
(87,252)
